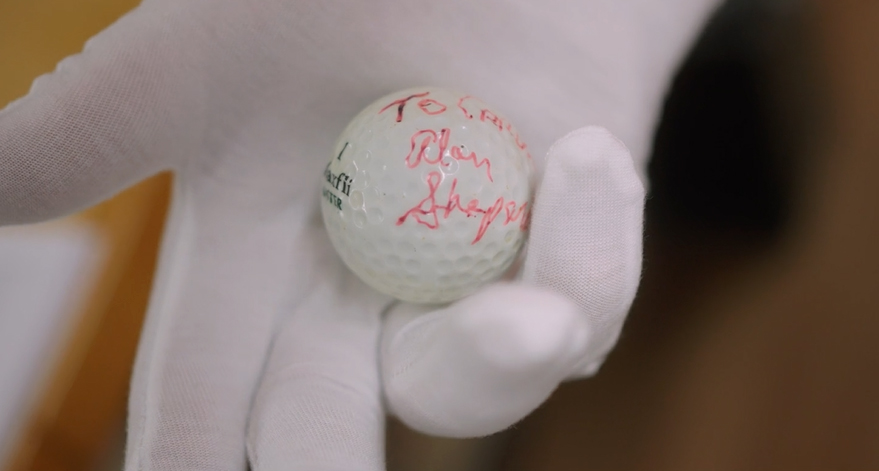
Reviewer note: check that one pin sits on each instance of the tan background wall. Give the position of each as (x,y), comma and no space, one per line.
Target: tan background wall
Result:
(80,404)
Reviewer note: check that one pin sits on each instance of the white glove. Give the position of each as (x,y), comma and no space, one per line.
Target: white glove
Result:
(259,345)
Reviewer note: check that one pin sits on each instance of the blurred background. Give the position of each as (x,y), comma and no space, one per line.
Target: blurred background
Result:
(753,343)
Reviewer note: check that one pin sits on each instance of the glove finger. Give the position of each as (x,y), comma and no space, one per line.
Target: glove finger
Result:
(586,234)
(481,364)
(225,271)
(485,362)
(102,120)
(319,404)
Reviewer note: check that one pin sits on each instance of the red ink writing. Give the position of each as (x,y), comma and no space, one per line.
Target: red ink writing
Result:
(433,147)
(427,137)
(431,106)
(457,154)
(401,103)
(487,115)
(467,114)
(422,140)
(428,211)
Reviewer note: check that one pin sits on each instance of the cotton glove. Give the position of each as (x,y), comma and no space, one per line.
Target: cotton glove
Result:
(258,344)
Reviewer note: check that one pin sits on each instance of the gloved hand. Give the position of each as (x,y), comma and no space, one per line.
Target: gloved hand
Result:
(258,343)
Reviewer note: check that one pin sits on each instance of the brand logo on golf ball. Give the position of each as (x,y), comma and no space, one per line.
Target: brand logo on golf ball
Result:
(335,181)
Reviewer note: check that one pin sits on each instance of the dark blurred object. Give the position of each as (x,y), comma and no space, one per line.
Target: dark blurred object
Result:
(754,342)
(715,166)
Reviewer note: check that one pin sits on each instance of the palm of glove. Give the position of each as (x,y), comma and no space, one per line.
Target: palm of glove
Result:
(257,334)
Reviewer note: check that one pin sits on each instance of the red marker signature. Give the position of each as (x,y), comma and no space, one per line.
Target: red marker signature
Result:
(434,107)
(429,212)
(425,137)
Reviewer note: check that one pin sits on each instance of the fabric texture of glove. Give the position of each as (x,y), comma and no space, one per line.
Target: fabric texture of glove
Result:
(258,344)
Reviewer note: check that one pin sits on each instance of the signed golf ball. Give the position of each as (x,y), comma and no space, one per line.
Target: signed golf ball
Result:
(427,195)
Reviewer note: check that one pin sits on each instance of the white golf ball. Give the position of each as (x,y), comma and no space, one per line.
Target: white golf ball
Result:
(427,195)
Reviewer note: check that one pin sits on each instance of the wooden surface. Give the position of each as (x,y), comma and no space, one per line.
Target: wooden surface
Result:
(81,403)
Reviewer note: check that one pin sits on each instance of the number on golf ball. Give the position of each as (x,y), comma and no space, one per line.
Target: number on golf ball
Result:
(427,195)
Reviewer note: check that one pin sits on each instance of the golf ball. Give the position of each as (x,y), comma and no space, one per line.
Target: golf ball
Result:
(427,195)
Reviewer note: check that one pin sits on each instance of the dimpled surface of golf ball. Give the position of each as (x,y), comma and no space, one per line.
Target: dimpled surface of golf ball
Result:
(427,195)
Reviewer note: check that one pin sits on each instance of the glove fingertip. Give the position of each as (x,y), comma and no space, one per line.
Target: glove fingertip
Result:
(595,147)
